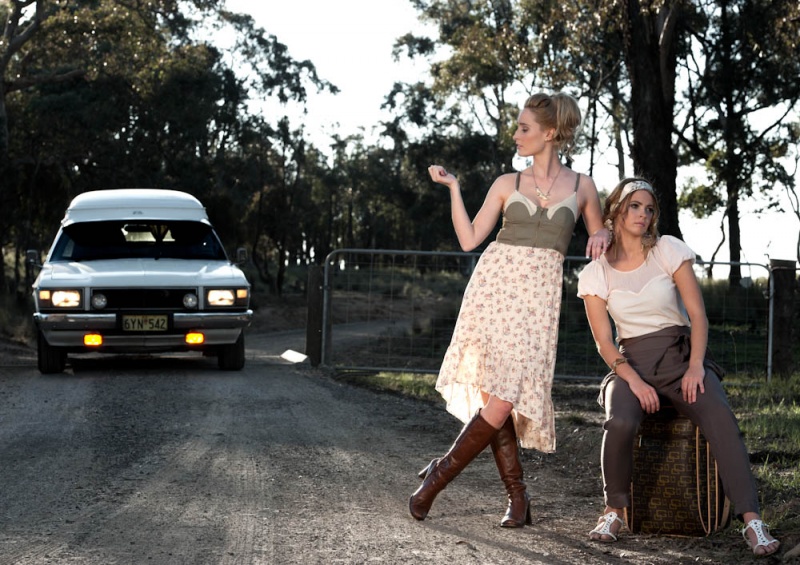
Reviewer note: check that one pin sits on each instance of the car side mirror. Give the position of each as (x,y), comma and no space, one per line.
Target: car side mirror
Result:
(32,258)
(241,255)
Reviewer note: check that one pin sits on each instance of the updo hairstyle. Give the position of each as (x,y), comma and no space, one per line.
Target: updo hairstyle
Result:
(559,112)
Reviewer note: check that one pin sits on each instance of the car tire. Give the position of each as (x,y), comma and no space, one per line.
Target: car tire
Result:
(50,359)
(231,357)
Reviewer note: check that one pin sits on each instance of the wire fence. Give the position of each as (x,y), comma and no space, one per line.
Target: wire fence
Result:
(387,310)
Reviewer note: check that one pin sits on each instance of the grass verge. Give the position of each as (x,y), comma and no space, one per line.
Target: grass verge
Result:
(769,417)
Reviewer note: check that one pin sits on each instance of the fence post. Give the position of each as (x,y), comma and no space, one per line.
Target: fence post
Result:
(314,315)
(783,274)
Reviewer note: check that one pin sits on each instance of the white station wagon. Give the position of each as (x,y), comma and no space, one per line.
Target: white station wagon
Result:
(136,271)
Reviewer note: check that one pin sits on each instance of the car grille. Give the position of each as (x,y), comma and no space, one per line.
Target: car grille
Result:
(144,298)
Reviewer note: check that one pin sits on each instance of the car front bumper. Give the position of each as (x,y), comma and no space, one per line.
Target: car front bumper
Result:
(68,330)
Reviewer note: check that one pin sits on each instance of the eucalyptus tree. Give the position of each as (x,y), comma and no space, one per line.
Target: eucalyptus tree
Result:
(69,73)
(464,116)
(270,169)
(693,72)
(653,37)
(699,76)
(490,55)
(791,189)
(119,93)
(576,46)
(92,36)
(278,202)
(743,87)
(362,199)
(23,19)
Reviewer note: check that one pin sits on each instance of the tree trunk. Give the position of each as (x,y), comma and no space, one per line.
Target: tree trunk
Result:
(734,244)
(3,131)
(650,57)
(784,275)
(280,277)
(733,134)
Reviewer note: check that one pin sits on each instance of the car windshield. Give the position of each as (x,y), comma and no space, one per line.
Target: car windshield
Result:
(87,241)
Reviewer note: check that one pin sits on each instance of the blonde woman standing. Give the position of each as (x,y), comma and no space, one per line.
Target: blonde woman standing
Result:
(497,373)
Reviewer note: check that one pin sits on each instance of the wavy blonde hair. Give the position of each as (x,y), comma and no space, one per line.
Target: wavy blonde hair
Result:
(560,112)
(617,204)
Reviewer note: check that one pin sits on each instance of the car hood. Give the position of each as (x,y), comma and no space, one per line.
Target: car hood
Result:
(141,273)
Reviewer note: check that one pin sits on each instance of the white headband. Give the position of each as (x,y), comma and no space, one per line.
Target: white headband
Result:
(634,186)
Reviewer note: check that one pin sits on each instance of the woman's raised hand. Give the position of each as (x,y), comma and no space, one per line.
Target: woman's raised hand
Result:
(439,174)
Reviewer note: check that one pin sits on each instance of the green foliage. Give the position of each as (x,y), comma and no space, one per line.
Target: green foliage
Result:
(488,54)
(769,417)
(701,199)
(105,94)
(407,384)
(15,318)
(743,61)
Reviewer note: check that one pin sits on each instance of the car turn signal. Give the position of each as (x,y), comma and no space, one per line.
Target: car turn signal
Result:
(195,338)
(92,340)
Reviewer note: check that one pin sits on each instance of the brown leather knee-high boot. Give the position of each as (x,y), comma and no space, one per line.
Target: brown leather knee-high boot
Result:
(506,455)
(473,439)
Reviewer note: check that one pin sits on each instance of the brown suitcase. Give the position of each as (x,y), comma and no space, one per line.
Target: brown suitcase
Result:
(676,489)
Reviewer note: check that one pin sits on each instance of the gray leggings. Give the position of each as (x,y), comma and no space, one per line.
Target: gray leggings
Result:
(711,412)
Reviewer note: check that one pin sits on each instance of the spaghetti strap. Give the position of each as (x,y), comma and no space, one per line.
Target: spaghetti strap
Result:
(577,181)
(517,185)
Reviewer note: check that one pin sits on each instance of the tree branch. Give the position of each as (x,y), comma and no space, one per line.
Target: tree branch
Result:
(27,82)
(17,41)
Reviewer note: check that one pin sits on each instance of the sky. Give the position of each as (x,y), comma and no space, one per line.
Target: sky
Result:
(350,44)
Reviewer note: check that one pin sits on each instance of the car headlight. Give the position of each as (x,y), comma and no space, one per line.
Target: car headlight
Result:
(221,297)
(60,298)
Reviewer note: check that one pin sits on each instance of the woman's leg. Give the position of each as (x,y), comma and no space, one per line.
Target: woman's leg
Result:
(623,416)
(505,449)
(506,456)
(495,410)
(713,415)
(473,439)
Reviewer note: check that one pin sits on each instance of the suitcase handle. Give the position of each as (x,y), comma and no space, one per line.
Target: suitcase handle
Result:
(718,519)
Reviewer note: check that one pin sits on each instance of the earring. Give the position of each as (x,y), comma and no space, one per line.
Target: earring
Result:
(647,241)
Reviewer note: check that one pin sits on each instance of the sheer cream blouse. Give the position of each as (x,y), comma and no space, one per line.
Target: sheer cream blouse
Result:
(645,299)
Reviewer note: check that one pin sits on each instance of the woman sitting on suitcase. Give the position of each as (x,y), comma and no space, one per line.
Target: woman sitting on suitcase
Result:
(647,284)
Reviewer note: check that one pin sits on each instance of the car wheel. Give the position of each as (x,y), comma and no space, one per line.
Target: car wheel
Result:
(50,359)
(231,357)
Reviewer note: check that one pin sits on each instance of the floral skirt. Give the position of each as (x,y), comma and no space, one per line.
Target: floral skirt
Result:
(505,340)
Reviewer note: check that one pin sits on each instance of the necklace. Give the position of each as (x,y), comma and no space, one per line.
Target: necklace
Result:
(545,195)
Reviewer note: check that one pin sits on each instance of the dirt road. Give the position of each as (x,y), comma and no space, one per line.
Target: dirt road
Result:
(170,461)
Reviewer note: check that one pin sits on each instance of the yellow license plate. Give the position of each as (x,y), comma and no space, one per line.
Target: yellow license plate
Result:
(144,323)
